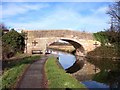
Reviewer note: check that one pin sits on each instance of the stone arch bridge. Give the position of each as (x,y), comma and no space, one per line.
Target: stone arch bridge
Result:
(39,40)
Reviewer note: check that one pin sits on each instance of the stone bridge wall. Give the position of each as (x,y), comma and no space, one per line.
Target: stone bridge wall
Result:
(44,38)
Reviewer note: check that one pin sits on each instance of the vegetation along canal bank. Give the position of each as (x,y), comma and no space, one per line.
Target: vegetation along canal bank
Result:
(58,78)
(107,59)
(14,69)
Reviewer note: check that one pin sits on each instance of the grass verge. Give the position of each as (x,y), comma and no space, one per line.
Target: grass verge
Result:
(58,78)
(12,74)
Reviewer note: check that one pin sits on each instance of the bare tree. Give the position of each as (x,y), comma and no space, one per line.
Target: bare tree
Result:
(114,12)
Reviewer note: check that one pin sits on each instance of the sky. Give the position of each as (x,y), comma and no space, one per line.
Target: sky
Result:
(79,16)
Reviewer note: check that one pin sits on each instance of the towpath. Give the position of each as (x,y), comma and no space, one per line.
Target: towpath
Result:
(34,77)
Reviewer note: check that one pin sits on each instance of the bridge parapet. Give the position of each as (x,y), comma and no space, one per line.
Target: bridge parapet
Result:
(59,33)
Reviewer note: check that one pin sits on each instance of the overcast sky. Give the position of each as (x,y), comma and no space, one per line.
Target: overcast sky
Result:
(81,16)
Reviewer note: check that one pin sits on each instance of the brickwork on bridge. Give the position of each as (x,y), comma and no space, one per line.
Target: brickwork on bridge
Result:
(40,39)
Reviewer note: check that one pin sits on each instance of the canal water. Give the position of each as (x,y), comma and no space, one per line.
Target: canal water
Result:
(93,73)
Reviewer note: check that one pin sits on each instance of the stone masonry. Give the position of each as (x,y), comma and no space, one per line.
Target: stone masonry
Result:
(40,39)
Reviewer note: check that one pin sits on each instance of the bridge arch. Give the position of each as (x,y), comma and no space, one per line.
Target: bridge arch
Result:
(79,49)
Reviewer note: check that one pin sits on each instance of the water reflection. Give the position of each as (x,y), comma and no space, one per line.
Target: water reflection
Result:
(93,72)
(69,62)
(76,66)
(93,84)
(79,63)
(66,60)
(109,71)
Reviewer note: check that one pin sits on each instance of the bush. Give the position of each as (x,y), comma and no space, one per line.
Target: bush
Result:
(13,42)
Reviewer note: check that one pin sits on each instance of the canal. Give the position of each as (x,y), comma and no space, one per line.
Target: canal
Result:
(92,72)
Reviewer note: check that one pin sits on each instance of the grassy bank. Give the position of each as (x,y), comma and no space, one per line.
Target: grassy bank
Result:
(14,70)
(58,78)
(105,52)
